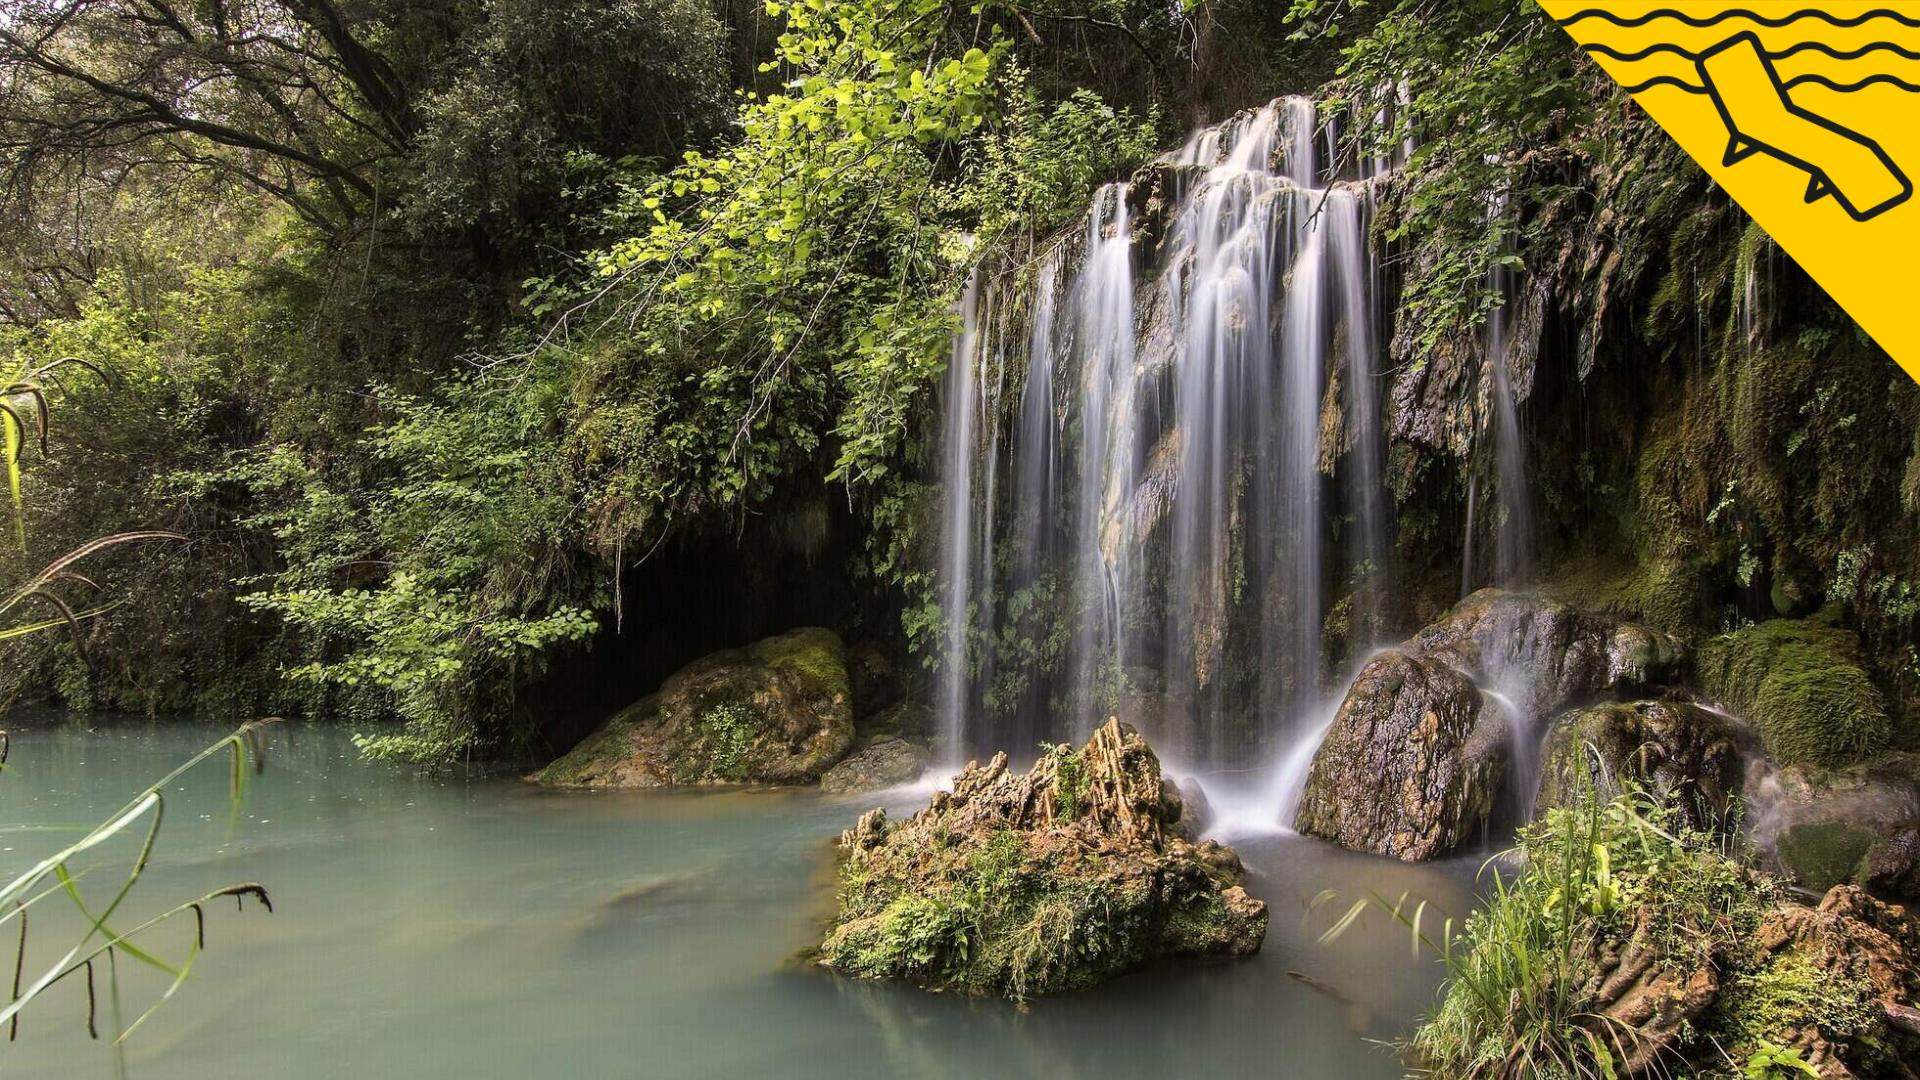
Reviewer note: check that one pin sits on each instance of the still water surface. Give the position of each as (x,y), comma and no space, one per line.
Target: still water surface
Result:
(485,928)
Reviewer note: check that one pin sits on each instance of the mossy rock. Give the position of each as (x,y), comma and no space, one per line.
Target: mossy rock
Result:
(1821,855)
(1019,884)
(1856,824)
(1679,754)
(1665,593)
(1804,685)
(776,712)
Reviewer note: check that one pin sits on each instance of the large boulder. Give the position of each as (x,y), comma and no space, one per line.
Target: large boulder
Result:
(1856,824)
(1019,884)
(776,712)
(1681,754)
(1412,764)
(886,762)
(1544,655)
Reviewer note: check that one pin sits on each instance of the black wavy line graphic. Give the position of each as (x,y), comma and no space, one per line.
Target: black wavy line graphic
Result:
(1847,88)
(1612,53)
(1698,22)
(1667,80)
(1799,80)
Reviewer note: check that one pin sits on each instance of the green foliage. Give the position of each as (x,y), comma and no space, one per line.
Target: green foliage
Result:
(1486,81)
(1035,169)
(468,525)
(1770,1061)
(1515,1002)
(1069,781)
(726,734)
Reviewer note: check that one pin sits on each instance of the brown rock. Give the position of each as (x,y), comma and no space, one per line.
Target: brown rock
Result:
(1412,763)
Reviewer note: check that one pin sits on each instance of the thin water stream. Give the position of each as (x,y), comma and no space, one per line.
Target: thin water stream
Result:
(487,928)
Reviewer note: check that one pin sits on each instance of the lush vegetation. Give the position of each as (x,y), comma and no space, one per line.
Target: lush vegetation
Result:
(1616,900)
(431,324)
(458,337)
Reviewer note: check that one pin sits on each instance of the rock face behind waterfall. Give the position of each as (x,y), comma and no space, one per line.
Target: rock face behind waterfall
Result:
(1412,764)
(1418,754)
(1022,884)
(776,712)
(1545,655)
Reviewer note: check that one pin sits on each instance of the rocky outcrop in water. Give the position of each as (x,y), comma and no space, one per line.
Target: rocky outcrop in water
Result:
(1416,757)
(776,712)
(1678,753)
(1018,884)
(1412,764)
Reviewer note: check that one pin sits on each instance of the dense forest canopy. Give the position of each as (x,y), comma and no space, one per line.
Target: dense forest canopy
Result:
(482,344)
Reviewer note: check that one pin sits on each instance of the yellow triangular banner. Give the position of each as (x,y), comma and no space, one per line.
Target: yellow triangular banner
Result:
(1808,114)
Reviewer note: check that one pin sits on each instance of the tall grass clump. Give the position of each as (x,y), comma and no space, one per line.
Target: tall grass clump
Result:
(1518,1000)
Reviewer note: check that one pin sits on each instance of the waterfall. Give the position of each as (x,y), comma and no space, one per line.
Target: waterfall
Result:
(957,534)
(1103,299)
(1192,447)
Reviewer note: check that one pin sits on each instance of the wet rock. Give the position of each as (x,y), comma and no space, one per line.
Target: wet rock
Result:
(1196,811)
(1545,655)
(1412,764)
(1019,884)
(884,763)
(1681,754)
(1858,824)
(776,712)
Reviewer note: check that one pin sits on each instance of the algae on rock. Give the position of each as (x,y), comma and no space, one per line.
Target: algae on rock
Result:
(776,712)
(1024,884)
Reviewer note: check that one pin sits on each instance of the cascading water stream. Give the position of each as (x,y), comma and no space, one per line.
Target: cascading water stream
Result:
(957,537)
(1191,441)
(1103,299)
